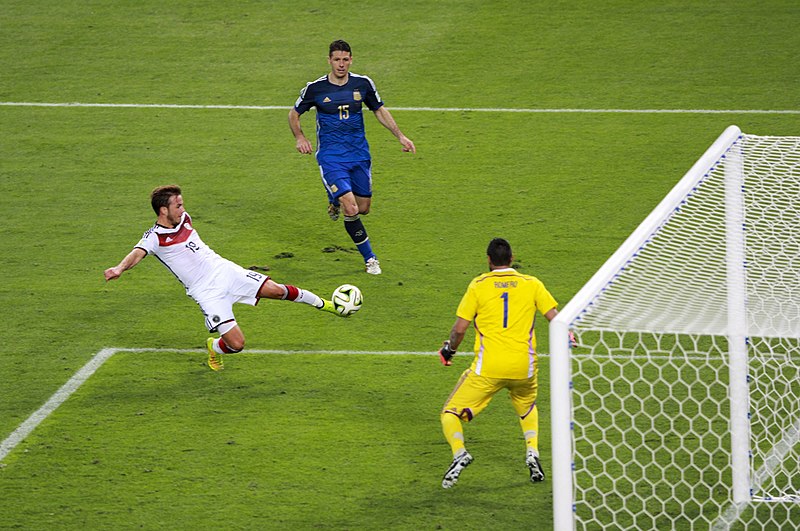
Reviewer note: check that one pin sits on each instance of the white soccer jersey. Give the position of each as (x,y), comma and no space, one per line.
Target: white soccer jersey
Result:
(183,252)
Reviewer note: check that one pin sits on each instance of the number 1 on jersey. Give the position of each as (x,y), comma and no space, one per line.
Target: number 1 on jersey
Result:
(504,296)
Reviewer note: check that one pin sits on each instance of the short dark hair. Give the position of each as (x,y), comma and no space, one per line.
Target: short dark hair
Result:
(499,252)
(159,197)
(339,46)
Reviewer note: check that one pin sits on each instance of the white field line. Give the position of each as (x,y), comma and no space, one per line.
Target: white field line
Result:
(257,351)
(58,398)
(422,109)
(83,374)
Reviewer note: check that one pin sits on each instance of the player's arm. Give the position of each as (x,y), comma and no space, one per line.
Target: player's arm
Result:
(457,332)
(302,143)
(387,120)
(550,315)
(133,258)
(450,346)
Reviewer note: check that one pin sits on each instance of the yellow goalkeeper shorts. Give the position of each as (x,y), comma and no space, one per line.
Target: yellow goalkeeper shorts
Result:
(473,393)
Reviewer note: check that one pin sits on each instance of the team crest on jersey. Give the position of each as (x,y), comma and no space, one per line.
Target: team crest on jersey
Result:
(334,188)
(176,236)
(357,95)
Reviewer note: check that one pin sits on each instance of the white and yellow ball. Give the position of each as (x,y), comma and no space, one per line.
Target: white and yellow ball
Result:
(347,299)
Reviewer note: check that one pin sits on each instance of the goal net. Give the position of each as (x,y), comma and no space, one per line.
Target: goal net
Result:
(679,408)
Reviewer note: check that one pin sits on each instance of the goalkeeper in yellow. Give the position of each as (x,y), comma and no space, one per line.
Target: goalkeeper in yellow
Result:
(502,304)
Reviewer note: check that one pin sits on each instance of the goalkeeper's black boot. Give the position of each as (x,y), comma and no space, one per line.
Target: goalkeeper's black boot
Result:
(535,467)
(460,462)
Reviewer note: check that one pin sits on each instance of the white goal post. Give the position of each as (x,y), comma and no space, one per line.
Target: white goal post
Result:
(679,408)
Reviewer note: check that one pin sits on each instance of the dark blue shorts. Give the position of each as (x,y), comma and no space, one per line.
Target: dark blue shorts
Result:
(342,177)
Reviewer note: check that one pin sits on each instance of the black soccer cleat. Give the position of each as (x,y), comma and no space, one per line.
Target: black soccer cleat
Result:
(459,463)
(535,467)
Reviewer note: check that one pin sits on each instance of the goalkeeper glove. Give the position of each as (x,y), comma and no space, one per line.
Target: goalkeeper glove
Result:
(446,354)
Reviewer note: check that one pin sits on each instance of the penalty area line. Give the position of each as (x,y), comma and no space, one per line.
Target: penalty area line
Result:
(58,398)
(290,352)
(85,372)
(412,109)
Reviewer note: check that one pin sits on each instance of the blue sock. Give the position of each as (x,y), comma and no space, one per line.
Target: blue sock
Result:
(355,228)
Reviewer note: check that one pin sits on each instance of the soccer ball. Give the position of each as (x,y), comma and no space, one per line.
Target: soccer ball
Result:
(347,299)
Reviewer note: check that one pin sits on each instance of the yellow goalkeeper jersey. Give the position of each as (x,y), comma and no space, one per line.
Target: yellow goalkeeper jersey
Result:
(503,304)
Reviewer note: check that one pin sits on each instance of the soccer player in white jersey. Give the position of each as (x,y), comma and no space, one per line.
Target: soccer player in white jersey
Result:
(212,281)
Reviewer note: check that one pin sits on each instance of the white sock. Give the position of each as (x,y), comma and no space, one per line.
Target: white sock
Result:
(306,297)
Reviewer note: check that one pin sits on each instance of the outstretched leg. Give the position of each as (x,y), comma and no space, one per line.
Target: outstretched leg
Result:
(272,290)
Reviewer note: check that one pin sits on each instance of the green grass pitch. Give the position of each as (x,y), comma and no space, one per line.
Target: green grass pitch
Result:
(155,440)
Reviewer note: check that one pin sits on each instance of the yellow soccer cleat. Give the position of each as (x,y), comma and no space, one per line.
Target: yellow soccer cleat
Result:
(327,306)
(214,359)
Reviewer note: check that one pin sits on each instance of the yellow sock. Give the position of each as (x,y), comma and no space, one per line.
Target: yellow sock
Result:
(453,432)
(530,427)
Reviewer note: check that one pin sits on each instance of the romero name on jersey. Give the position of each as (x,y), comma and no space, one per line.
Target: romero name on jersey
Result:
(502,303)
